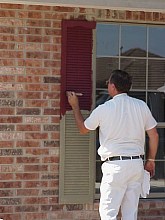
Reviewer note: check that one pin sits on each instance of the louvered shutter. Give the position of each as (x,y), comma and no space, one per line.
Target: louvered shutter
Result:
(77,152)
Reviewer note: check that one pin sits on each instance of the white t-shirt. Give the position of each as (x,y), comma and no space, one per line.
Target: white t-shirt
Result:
(122,123)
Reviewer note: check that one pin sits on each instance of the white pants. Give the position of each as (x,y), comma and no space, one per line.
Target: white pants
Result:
(121,187)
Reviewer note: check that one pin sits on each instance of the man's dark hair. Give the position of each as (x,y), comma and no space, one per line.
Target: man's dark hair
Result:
(122,80)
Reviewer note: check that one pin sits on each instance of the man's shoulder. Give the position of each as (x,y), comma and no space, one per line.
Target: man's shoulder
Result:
(137,101)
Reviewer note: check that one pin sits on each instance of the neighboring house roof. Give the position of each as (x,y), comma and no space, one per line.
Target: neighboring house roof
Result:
(136,67)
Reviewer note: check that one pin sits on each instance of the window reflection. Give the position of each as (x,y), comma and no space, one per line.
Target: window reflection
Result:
(104,67)
(133,41)
(158,181)
(107,40)
(136,68)
(156,72)
(156,103)
(148,70)
(156,42)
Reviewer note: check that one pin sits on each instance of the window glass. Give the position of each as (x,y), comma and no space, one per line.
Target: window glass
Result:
(156,42)
(136,68)
(104,67)
(107,40)
(156,103)
(146,64)
(156,75)
(133,41)
(158,181)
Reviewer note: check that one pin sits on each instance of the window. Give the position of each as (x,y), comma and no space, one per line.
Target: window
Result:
(139,50)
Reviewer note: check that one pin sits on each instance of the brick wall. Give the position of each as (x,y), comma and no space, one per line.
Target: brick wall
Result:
(30,51)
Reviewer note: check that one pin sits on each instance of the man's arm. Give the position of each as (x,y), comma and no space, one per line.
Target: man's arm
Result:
(153,146)
(74,103)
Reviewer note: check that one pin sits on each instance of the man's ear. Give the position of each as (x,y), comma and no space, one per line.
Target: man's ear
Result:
(113,86)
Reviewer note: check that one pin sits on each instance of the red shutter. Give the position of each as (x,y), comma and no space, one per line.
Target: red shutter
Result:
(76,69)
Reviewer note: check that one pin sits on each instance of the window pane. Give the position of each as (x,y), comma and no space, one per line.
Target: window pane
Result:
(156,103)
(104,67)
(107,39)
(137,69)
(156,43)
(156,74)
(133,41)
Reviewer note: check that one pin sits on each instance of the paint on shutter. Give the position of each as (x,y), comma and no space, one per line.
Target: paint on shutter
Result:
(77,152)
(76,68)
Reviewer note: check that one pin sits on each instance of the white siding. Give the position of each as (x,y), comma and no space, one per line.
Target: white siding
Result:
(152,5)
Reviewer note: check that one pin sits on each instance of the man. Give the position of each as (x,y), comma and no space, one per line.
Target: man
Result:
(122,123)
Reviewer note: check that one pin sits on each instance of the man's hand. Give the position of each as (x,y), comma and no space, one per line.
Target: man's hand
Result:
(72,99)
(74,103)
(150,167)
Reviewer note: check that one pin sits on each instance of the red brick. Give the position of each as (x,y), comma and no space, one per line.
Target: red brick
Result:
(11,54)
(29,95)
(27,144)
(162,17)
(26,176)
(6,176)
(35,184)
(51,95)
(51,111)
(135,15)
(27,208)
(54,183)
(55,119)
(29,79)
(36,103)
(55,87)
(38,55)
(38,7)
(6,144)
(34,200)
(36,136)
(50,159)
(38,71)
(32,63)
(142,15)
(11,216)
(27,192)
(6,160)
(35,168)
(55,136)
(14,184)
(149,16)
(37,151)
(25,160)
(52,63)
(11,6)
(7,62)
(28,128)
(29,30)
(54,168)
(7,13)
(37,216)
(10,119)
(156,16)
(6,209)
(38,23)
(37,87)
